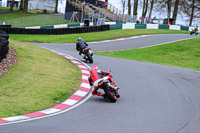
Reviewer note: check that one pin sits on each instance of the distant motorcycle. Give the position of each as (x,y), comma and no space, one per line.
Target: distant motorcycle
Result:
(194,32)
(87,54)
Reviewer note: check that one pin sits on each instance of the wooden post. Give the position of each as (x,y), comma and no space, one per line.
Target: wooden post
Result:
(25,22)
(38,20)
(50,19)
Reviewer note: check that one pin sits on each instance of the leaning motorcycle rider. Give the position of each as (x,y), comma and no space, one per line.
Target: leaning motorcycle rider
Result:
(80,45)
(97,75)
(196,29)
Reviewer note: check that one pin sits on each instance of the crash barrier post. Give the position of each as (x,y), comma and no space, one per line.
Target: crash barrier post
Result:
(117,26)
(140,26)
(163,26)
(4,45)
(57,31)
(186,28)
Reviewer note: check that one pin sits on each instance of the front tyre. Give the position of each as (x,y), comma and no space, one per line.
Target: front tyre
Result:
(90,58)
(110,95)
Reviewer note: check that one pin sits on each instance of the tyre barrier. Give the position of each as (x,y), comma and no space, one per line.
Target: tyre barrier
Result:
(58,31)
(4,45)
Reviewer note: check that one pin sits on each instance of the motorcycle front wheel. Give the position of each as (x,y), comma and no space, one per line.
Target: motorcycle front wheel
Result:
(110,95)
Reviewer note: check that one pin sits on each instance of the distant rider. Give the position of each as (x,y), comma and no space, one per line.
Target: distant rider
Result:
(97,75)
(196,29)
(80,45)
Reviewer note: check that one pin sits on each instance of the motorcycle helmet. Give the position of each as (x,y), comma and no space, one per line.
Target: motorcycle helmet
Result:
(95,67)
(79,38)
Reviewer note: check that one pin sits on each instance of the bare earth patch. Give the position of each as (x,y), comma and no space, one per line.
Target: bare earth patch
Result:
(9,61)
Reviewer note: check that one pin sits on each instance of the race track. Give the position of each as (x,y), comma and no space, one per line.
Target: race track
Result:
(154,98)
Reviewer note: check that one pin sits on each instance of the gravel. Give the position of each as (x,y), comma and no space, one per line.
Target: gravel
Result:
(10,60)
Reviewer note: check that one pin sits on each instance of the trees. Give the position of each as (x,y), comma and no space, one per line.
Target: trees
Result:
(129,7)
(151,9)
(169,8)
(175,11)
(144,9)
(11,6)
(192,14)
(25,5)
(56,7)
(135,8)
(21,8)
(191,10)
(123,3)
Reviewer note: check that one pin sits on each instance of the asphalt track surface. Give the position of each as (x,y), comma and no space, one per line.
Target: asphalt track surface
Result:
(154,98)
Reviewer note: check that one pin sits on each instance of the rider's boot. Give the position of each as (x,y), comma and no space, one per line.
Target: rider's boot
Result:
(97,93)
(82,55)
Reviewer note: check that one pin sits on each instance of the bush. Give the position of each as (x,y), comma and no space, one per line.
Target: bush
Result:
(45,11)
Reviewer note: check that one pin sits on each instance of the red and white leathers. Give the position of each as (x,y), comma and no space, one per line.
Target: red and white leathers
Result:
(97,75)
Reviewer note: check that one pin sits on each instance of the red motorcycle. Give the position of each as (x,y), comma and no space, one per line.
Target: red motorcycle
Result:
(106,83)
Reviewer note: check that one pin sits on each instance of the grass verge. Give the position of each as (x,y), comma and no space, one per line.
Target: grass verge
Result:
(185,54)
(15,15)
(89,37)
(39,80)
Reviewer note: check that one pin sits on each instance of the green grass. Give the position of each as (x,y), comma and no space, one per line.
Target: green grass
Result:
(185,54)
(39,80)
(15,15)
(89,37)
(7,9)
(17,9)
(21,20)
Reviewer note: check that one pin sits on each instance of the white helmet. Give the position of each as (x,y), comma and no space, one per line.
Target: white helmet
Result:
(79,38)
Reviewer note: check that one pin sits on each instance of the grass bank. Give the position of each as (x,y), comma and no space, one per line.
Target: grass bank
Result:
(15,15)
(35,18)
(94,36)
(185,54)
(39,80)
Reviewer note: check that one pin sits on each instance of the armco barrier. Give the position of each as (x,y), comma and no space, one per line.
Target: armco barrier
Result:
(152,26)
(140,26)
(116,27)
(174,27)
(56,31)
(163,26)
(74,25)
(46,27)
(186,28)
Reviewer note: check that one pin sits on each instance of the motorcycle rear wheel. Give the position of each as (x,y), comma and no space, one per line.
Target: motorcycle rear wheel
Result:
(110,95)
(90,58)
